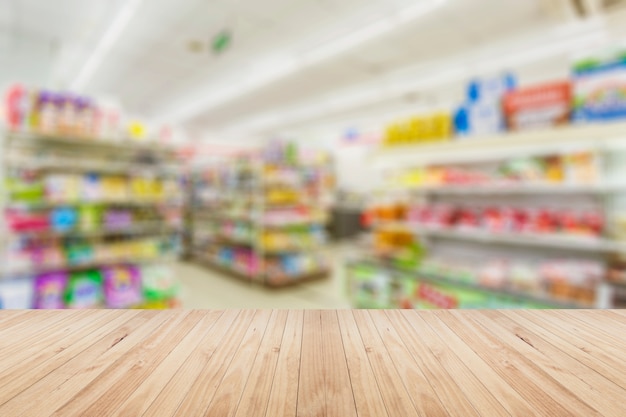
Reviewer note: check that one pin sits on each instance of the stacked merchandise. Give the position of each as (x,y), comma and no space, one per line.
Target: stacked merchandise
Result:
(116,286)
(567,170)
(595,92)
(68,116)
(267,215)
(451,211)
(89,221)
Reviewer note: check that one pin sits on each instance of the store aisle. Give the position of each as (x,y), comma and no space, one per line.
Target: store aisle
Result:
(206,288)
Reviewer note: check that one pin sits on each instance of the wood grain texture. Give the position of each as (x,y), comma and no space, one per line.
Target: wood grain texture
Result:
(328,363)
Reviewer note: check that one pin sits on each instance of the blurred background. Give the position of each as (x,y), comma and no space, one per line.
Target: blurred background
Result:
(313,153)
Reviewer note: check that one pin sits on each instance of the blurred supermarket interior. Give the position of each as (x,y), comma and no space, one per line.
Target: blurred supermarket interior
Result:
(313,153)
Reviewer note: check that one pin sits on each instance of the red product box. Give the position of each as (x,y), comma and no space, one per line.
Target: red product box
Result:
(538,106)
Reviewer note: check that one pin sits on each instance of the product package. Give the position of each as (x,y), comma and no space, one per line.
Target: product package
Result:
(63,218)
(158,282)
(600,88)
(84,290)
(122,286)
(50,289)
(16,294)
(482,114)
(543,105)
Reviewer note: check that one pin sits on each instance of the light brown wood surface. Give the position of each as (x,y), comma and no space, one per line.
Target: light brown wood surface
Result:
(312,363)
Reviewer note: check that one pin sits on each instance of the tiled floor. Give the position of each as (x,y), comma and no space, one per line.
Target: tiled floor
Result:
(203,287)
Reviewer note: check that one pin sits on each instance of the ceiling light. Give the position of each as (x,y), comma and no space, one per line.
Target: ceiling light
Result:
(449,72)
(284,66)
(110,37)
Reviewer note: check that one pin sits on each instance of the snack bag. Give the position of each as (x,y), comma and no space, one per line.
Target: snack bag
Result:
(122,286)
(84,290)
(49,290)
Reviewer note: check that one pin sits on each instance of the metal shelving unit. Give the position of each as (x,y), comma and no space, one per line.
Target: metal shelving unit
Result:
(211,210)
(39,155)
(607,142)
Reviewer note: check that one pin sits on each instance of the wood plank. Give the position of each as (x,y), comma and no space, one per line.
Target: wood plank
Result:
(200,394)
(227,395)
(420,381)
(461,390)
(595,390)
(61,385)
(32,336)
(283,397)
(139,401)
(613,353)
(612,316)
(132,368)
(606,330)
(318,363)
(23,375)
(51,336)
(12,318)
(510,399)
(397,400)
(579,352)
(551,398)
(256,393)
(180,384)
(598,354)
(311,393)
(366,391)
(337,385)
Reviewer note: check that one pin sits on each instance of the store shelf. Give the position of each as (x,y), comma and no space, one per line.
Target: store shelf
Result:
(125,203)
(123,146)
(559,140)
(512,189)
(288,280)
(522,239)
(211,262)
(71,165)
(423,275)
(290,249)
(89,265)
(148,228)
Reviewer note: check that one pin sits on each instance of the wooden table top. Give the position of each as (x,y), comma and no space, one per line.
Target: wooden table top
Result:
(344,363)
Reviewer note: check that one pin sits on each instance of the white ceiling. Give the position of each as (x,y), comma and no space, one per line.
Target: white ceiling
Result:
(151,70)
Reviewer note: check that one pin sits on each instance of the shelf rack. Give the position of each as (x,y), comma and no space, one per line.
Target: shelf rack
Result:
(606,141)
(253,194)
(42,154)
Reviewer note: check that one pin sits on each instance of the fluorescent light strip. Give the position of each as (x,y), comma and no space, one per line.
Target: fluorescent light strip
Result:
(110,37)
(426,81)
(273,71)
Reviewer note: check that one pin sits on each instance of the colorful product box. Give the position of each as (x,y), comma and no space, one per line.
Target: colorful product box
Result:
(50,289)
(84,290)
(600,88)
(538,106)
(122,286)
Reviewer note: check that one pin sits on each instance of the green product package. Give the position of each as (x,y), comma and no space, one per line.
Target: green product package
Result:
(90,217)
(403,291)
(26,192)
(369,286)
(158,283)
(84,290)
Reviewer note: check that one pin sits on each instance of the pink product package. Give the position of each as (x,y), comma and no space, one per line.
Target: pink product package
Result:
(20,222)
(49,290)
(122,286)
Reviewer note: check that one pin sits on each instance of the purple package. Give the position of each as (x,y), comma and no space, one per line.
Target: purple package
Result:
(122,286)
(117,219)
(49,290)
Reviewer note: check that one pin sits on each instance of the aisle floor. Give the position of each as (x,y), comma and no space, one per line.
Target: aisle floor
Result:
(207,288)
